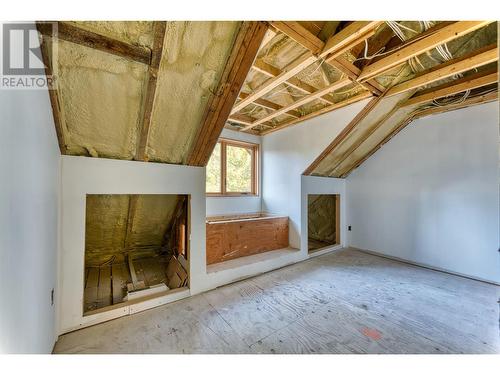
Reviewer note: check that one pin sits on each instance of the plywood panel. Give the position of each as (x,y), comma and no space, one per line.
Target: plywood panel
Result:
(235,239)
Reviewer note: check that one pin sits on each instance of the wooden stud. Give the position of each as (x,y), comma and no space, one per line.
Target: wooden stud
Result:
(472,60)
(332,107)
(444,35)
(455,87)
(306,99)
(245,49)
(343,134)
(74,34)
(159,36)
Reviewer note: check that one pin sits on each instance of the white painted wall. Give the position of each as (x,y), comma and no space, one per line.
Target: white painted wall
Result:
(288,152)
(430,195)
(29,182)
(236,205)
(82,176)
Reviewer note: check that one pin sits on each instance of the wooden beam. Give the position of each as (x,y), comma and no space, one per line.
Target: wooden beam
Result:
(159,29)
(263,103)
(493,96)
(306,99)
(480,99)
(444,35)
(331,107)
(300,34)
(380,144)
(244,51)
(472,60)
(311,42)
(74,34)
(294,82)
(349,37)
(289,71)
(53,96)
(455,87)
(352,71)
(362,139)
(343,134)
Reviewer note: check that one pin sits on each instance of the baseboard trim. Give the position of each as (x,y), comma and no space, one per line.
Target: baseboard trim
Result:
(423,265)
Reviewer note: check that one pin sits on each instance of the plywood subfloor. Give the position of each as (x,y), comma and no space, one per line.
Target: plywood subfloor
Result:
(342,302)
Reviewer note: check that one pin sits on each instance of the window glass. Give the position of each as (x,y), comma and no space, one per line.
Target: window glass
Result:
(238,169)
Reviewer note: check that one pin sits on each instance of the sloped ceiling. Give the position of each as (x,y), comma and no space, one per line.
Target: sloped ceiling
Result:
(102,95)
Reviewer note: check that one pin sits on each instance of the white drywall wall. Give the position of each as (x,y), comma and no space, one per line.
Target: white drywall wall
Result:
(288,152)
(430,195)
(82,176)
(29,183)
(236,205)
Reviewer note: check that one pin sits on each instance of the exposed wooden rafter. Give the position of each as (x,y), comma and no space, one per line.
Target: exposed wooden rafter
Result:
(330,108)
(450,68)
(159,28)
(455,87)
(288,72)
(315,45)
(343,134)
(74,34)
(306,99)
(294,82)
(492,96)
(244,51)
(419,46)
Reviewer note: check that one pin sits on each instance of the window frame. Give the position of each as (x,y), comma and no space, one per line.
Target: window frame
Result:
(254,147)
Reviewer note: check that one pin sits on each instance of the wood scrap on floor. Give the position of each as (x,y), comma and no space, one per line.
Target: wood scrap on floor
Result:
(176,274)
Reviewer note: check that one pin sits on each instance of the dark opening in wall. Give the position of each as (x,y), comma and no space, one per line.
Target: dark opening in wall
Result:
(136,246)
(323,221)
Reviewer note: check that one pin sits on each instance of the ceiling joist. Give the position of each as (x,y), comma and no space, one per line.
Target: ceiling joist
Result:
(444,35)
(450,68)
(306,99)
(455,87)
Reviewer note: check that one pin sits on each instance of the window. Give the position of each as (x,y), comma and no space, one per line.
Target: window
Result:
(232,169)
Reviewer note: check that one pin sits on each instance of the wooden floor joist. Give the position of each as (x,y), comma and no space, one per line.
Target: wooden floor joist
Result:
(74,34)
(444,35)
(159,28)
(244,51)
(450,68)
(455,87)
